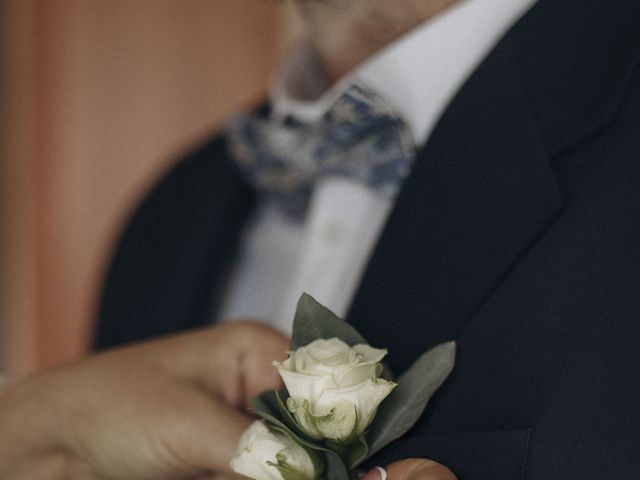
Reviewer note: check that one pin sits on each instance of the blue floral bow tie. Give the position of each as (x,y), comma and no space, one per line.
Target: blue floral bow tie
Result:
(361,137)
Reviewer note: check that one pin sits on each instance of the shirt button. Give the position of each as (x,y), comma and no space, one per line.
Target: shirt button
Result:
(334,233)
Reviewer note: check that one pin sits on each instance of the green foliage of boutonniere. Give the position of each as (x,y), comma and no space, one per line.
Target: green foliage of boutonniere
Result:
(341,404)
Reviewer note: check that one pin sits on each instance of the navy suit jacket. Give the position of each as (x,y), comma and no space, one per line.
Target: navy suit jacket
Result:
(517,234)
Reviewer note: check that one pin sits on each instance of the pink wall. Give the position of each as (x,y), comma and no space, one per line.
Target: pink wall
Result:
(100,95)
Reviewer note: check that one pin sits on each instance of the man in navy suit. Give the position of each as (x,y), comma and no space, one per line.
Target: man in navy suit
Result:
(515,234)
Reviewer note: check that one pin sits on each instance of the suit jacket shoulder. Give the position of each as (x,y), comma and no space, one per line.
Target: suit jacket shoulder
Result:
(174,253)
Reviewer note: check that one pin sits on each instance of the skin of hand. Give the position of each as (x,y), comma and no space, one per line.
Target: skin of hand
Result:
(407,469)
(411,469)
(165,409)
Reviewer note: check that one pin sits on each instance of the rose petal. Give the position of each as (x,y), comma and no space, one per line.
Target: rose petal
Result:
(301,387)
(369,353)
(366,395)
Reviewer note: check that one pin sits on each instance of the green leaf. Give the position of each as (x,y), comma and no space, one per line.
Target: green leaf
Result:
(336,469)
(404,406)
(270,406)
(313,321)
(263,402)
(352,454)
(358,452)
(264,406)
(274,421)
(286,415)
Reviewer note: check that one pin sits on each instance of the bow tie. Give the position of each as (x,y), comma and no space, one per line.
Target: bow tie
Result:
(360,137)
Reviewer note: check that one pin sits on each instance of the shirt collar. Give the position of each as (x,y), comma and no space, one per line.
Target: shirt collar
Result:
(419,73)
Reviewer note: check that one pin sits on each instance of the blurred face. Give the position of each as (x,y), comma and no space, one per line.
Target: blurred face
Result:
(346,32)
(384,13)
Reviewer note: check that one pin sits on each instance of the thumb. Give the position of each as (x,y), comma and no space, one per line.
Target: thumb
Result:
(411,469)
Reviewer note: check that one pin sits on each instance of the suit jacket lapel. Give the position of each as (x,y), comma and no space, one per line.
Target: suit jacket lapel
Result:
(172,260)
(483,188)
(481,191)
(576,58)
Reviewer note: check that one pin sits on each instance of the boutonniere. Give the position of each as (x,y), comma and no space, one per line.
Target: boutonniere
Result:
(341,404)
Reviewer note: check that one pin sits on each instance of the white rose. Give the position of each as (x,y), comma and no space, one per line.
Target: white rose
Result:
(334,389)
(269,455)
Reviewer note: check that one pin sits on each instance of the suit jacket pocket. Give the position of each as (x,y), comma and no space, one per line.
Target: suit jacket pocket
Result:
(494,455)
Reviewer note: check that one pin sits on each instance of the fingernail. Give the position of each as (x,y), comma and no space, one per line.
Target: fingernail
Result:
(377,473)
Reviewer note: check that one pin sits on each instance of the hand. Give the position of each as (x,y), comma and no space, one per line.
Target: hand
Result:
(166,409)
(411,469)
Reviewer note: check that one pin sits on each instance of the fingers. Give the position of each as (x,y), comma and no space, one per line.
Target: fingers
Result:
(241,361)
(209,438)
(232,360)
(184,397)
(411,469)
(262,348)
(220,476)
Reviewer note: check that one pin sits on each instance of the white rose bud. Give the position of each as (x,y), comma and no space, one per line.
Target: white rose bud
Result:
(270,455)
(334,389)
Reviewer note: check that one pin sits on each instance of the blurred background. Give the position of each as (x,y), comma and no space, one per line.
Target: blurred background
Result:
(97,98)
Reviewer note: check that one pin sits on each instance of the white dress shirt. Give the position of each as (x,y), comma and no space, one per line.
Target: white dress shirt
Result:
(327,253)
